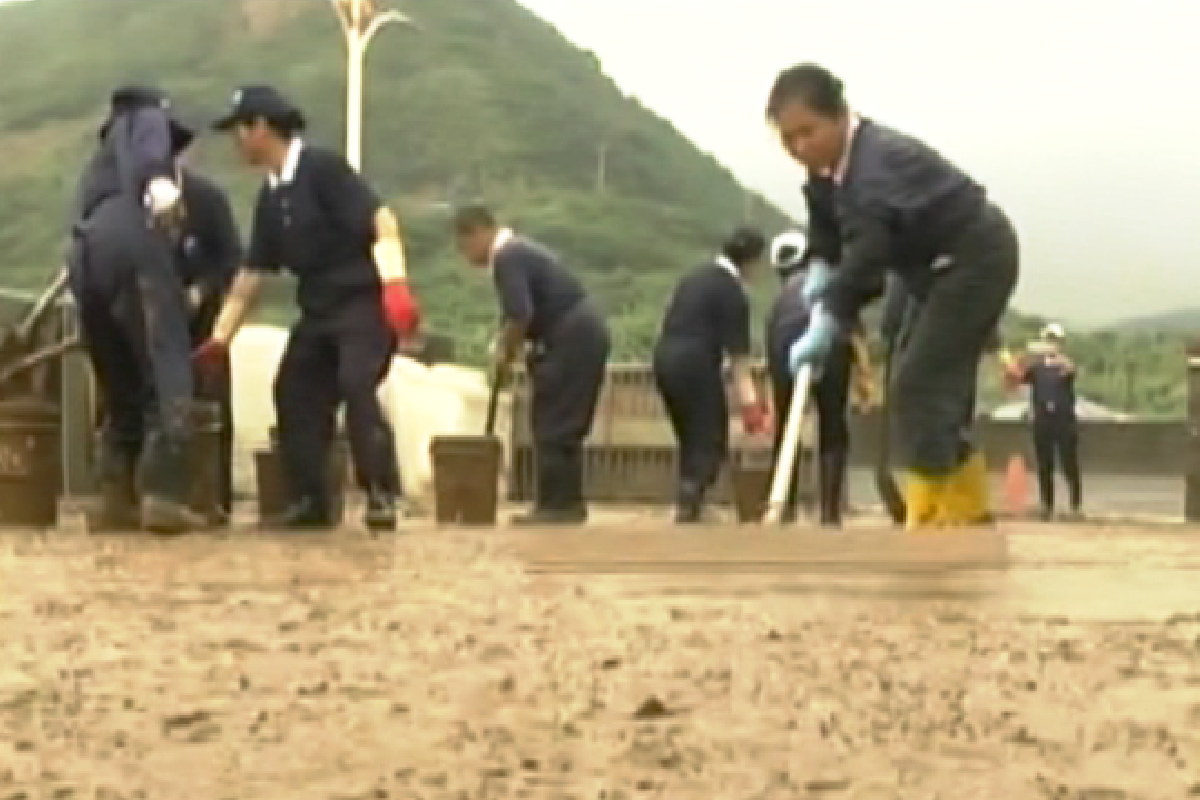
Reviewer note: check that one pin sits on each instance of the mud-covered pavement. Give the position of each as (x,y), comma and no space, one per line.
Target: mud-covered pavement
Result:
(1061,664)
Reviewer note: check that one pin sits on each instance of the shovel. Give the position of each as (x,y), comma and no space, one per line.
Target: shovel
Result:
(789,448)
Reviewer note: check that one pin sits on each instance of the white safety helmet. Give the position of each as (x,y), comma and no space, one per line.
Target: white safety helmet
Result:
(1053,331)
(787,249)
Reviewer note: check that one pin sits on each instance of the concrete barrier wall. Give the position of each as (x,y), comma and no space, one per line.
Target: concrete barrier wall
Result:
(631,415)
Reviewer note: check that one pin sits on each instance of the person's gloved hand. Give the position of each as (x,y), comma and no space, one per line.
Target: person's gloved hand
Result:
(754,418)
(162,195)
(211,355)
(400,309)
(818,277)
(812,348)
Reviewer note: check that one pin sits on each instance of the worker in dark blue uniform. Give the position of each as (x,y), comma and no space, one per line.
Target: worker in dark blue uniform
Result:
(906,209)
(900,311)
(133,310)
(793,254)
(1050,376)
(209,253)
(546,311)
(706,322)
(316,217)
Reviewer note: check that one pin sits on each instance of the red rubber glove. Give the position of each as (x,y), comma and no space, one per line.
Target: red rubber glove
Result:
(210,355)
(754,419)
(400,309)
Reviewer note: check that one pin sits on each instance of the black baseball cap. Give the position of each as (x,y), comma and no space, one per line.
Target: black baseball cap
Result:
(253,102)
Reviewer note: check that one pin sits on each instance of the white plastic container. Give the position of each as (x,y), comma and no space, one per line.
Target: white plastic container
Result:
(421,402)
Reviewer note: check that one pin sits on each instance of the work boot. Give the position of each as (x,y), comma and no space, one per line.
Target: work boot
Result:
(118,494)
(831,476)
(924,499)
(306,514)
(165,484)
(689,504)
(169,518)
(966,502)
(559,500)
(381,515)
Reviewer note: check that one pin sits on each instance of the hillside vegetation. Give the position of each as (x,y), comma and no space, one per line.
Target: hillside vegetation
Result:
(484,101)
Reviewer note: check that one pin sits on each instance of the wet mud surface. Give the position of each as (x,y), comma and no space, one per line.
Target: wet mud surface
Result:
(1054,662)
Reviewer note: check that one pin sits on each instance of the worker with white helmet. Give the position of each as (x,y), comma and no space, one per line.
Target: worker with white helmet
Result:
(799,258)
(1050,376)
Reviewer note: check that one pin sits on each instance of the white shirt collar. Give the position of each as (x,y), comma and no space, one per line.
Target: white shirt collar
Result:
(503,237)
(290,163)
(724,263)
(839,171)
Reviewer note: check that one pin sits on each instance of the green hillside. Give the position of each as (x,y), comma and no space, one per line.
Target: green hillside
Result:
(485,100)
(1182,321)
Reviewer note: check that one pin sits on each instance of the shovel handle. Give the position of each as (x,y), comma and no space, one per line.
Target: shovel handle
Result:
(785,466)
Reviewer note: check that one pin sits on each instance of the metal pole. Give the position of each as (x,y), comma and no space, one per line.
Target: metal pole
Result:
(355,50)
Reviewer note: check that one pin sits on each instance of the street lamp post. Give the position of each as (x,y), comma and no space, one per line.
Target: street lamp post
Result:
(361,20)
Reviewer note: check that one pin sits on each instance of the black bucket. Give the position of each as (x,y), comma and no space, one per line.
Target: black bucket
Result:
(30,464)
(466,479)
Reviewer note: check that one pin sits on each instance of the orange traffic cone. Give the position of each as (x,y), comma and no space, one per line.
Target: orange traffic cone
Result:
(1016,486)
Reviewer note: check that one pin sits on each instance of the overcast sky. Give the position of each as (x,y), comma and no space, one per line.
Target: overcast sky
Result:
(1081,117)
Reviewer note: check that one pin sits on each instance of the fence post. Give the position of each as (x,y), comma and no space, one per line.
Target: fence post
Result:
(1191,502)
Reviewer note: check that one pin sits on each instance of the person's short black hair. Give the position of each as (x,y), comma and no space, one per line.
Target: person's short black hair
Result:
(811,84)
(473,217)
(744,245)
(288,124)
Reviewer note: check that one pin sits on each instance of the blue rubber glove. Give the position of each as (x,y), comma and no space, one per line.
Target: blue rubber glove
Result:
(812,348)
(818,277)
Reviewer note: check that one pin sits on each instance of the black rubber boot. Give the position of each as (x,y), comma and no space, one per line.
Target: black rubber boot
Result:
(559,498)
(381,512)
(165,483)
(689,504)
(831,479)
(118,492)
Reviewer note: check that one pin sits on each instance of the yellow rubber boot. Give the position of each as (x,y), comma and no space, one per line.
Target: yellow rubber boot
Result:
(924,500)
(966,501)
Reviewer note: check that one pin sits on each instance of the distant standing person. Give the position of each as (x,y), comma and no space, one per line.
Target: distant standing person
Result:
(1050,376)
(546,312)
(318,218)
(707,321)
(905,209)
(792,254)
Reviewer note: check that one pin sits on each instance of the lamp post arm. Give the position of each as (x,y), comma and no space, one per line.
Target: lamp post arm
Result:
(379,21)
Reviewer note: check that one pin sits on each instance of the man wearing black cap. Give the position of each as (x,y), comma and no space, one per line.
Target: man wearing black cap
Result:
(133,311)
(209,253)
(318,218)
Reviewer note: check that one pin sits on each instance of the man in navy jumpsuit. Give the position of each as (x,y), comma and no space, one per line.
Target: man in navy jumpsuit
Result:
(133,310)
(316,217)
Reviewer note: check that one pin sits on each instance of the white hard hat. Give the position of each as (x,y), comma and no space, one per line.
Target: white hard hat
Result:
(787,249)
(1053,331)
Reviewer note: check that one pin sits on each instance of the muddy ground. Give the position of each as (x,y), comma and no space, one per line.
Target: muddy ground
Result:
(460,665)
